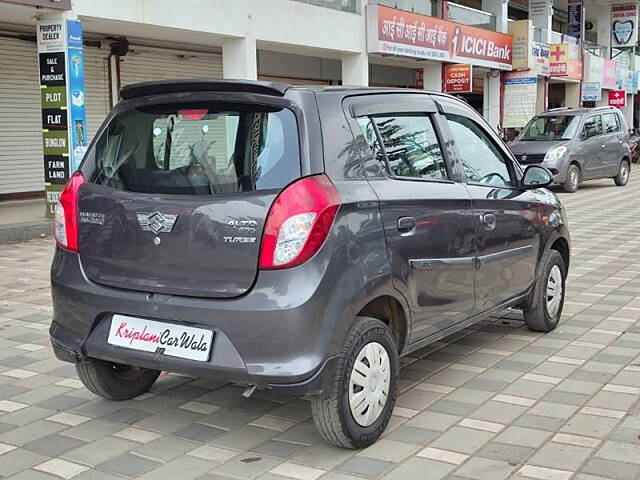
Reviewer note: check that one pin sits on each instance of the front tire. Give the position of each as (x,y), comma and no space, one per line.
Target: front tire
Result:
(115,381)
(354,412)
(544,314)
(573,179)
(622,177)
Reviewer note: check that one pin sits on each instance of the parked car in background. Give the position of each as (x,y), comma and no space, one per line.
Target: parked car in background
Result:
(295,239)
(577,144)
(634,145)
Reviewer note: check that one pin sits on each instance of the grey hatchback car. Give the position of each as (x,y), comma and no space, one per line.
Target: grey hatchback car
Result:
(295,239)
(577,144)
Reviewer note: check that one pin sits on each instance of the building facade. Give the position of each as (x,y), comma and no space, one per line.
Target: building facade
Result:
(399,43)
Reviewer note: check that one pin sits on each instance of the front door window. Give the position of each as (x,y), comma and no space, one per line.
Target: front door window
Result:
(483,162)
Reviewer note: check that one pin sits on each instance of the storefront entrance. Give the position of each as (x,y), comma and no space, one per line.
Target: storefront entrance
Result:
(557,95)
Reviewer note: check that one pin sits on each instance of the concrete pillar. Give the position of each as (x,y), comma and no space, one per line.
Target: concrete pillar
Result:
(541,105)
(627,110)
(572,97)
(239,59)
(499,9)
(433,77)
(355,69)
(543,21)
(602,14)
(491,99)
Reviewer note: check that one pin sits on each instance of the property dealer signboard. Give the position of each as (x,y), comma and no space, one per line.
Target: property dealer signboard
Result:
(396,32)
(62,99)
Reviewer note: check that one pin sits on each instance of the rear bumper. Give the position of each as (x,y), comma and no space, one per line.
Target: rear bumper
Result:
(284,342)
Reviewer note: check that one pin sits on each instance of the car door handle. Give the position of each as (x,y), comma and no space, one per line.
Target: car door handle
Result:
(406,225)
(489,220)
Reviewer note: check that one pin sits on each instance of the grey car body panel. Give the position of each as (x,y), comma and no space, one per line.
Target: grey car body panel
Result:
(597,157)
(286,328)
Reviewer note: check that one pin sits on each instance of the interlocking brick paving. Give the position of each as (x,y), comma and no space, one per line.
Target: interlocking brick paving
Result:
(491,402)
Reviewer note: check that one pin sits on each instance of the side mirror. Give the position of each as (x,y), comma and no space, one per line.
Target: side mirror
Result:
(536,176)
(583,134)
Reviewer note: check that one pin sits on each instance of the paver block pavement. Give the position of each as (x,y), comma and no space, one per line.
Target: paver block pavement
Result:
(492,401)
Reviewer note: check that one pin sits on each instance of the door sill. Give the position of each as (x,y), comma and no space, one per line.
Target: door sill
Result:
(434,337)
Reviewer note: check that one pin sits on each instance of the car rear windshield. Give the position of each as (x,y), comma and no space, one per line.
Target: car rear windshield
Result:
(551,128)
(199,149)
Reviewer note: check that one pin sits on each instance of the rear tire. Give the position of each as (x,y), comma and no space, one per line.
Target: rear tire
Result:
(622,177)
(544,314)
(115,381)
(573,179)
(369,356)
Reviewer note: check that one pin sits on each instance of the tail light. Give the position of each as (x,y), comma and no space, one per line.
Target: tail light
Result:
(66,214)
(298,223)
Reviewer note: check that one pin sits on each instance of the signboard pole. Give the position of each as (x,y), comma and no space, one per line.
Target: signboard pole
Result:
(62,100)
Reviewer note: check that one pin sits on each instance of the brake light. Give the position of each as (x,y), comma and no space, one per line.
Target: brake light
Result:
(66,214)
(299,222)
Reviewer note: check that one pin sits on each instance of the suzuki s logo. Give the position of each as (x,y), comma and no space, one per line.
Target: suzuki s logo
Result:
(156,222)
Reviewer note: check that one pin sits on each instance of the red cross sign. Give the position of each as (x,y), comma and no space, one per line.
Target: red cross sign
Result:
(557,53)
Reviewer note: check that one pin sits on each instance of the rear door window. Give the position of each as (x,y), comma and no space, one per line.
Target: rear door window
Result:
(199,149)
(592,126)
(610,123)
(411,147)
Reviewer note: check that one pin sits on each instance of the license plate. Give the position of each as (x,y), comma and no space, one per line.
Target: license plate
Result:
(165,338)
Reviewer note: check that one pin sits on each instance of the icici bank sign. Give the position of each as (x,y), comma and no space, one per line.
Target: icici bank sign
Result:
(396,32)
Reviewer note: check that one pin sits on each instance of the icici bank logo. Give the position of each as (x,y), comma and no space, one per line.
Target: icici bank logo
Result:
(465,45)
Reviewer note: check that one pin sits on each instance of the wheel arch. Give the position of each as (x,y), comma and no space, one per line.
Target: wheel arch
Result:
(561,244)
(558,240)
(393,312)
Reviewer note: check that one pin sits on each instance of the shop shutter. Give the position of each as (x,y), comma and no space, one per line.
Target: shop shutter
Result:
(145,64)
(96,84)
(21,167)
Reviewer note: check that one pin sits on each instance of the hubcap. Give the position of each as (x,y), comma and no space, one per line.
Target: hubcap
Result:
(574,178)
(624,172)
(554,291)
(369,384)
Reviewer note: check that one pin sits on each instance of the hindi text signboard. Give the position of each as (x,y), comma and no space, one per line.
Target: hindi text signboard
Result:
(575,24)
(396,32)
(520,96)
(617,98)
(591,91)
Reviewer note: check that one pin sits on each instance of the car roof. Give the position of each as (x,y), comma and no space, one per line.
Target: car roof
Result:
(576,111)
(255,86)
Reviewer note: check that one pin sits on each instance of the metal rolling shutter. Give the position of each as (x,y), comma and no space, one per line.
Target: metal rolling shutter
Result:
(96,84)
(144,64)
(21,164)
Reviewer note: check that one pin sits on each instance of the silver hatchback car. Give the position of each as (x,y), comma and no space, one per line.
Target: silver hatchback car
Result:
(577,144)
